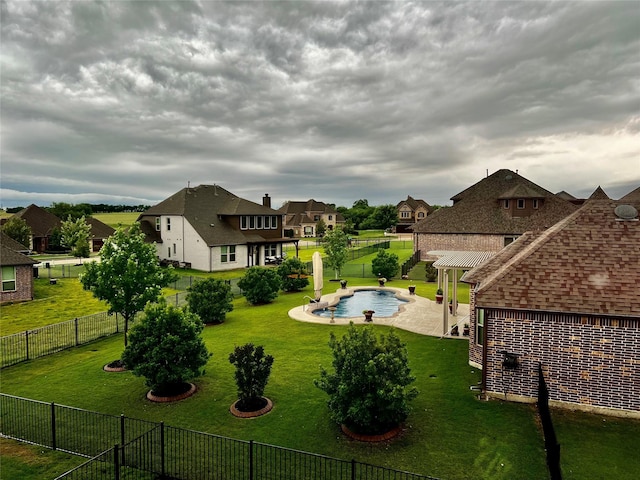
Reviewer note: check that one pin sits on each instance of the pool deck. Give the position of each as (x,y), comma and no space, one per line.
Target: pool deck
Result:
(419,315)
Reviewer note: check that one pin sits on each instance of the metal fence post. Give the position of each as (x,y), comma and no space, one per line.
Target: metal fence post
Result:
(76,327)
(122,438)
(26,342)
(116,462)
(250,459)
(353,469)
(162,448)
(53,426)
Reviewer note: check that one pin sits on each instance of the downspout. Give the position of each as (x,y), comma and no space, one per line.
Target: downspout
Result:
(485,347)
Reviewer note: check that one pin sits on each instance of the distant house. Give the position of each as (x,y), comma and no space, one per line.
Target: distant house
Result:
(16,271)
(42,225)
(411,211)
(211,229)
(99,233)
(303,217)
(489,215)
(566,299)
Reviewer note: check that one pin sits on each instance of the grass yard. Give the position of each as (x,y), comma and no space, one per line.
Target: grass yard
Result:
(449,435)
(117,219)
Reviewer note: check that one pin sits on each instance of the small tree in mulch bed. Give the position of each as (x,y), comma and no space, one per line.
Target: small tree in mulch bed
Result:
(166,349)
(369,391)
(260,285)
(210,299)
(253,368)
(293,274)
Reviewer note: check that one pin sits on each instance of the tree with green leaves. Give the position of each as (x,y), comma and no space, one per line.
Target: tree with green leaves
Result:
(335,248)
(128,275)
(166,348)
(210,299)
(385,264)
(260,285)
(75,236)
(369,389)
(17,228)
(382,217)
(65,210)
(293,274)
(321,228)
(253,368)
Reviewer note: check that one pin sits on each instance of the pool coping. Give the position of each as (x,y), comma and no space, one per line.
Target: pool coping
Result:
(418,315)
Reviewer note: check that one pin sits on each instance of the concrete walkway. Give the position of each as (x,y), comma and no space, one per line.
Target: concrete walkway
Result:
(419,315)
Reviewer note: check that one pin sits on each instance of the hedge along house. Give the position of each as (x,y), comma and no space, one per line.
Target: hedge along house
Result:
(489,215)
(210,229)
(566,299)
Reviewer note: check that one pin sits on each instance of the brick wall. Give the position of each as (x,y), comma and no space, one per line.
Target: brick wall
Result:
(594,362)
(461,242)
(24,286)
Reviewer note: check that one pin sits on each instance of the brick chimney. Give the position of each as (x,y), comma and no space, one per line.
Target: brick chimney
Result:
(266,200)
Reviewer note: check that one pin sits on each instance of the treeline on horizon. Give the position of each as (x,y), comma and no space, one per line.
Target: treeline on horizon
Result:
(63,210)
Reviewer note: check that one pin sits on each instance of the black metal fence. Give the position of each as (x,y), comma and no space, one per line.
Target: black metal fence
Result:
(354,269)
(410,262)
(122,447)
(550,442)
(54,338)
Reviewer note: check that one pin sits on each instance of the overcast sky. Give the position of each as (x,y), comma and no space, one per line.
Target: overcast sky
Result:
(128,101)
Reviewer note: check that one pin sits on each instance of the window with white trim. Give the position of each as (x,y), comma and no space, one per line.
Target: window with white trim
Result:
(535,203)
(8,279)
(228,253)
(480,326)
(244,222)
(157,224)
(506,203)
(521,203)
(405,214)
(168,224)
(271,250)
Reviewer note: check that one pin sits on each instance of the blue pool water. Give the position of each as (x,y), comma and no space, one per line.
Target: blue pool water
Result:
(382,302)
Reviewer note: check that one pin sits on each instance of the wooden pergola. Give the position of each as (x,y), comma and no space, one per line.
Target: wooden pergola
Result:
(449,262)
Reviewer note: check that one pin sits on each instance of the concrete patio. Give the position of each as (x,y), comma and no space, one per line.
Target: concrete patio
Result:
(419,315)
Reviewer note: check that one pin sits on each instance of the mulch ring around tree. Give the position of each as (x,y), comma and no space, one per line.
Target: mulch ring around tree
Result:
(371,438)
(263,406)
(178,393)
(115,366)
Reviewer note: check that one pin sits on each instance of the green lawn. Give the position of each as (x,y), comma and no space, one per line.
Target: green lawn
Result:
(117,219)
(450,434)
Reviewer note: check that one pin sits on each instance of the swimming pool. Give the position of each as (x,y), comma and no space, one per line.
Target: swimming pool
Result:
(384,303)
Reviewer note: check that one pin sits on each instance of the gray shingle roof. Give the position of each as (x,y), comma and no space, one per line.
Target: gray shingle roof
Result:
(587,263)
(205,207)
(477,210)
(39,220)
(10,252)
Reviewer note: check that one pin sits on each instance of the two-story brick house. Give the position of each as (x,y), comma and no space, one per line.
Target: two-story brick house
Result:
(303,217)
(566,299)
(489,215)
(211,229)
(410,212)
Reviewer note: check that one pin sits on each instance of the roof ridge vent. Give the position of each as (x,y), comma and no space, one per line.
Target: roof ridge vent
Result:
(626,212)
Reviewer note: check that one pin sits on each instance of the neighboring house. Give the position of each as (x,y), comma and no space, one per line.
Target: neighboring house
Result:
(411,211)
(99,233)
(303,217)
(16,271)
(210,229)
(42,224)
(489,215)
(570,198)
(566,299)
